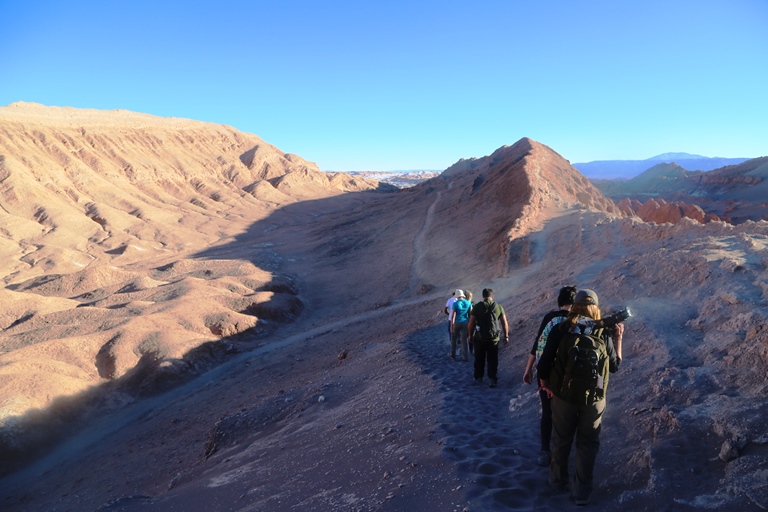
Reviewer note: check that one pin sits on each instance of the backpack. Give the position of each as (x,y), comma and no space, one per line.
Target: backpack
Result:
(488,322)
(581,366)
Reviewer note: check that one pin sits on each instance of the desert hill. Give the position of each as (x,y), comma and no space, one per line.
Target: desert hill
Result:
(338,395)
(102,213)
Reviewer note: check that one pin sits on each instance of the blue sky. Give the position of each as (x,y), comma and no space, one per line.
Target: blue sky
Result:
(395,85)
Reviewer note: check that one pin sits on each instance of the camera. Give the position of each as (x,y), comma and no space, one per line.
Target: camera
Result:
(615,318)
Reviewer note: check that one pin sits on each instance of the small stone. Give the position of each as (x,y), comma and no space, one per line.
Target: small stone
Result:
(729,451)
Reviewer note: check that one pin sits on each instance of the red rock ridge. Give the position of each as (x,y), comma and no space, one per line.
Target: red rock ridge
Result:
(660,211)
(502,197)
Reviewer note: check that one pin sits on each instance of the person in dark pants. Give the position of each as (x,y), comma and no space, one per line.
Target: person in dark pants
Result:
(564,302)
(487,344)
(447,311)
(577,416)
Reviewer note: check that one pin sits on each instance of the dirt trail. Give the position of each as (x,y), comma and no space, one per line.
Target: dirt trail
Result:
(102,429)
(494,453)
(419,247)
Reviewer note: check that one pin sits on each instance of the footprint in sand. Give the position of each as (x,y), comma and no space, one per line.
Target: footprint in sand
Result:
(492,450)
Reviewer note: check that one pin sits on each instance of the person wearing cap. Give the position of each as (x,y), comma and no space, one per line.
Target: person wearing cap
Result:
(447,311)
(565,299)
(582,422)
(459,319)
(487,349)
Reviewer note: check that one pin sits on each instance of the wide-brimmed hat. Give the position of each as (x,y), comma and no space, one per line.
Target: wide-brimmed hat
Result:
(459,293)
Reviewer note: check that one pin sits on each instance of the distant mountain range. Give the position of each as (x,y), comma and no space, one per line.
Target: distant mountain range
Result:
(624,169)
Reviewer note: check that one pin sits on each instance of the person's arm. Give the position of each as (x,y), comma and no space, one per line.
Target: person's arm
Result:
(545,324)
(614,356)
(618,339)
(548,357)
(528,375)
(505,328)
(453,319)
(471,327)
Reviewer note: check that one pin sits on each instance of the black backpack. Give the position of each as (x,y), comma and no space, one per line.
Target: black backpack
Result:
(581,368)
(488,322)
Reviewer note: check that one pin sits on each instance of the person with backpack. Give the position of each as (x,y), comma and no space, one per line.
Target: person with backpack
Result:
(565,300)
(489,324)
(459,320)
(574,367)
(470,341)
(447,311)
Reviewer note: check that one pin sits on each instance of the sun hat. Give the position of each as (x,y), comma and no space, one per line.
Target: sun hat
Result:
(459,293)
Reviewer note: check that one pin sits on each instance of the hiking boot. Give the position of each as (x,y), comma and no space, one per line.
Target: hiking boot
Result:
(558,487)
(581,501)
(544,458)
(478,380)
(493,383)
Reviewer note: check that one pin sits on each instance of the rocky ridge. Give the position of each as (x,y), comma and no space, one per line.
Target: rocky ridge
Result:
(734,193)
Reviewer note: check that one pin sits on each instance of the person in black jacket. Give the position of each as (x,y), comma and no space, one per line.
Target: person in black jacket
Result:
(565,300)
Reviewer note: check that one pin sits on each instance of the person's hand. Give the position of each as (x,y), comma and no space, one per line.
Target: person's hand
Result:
(528,376)
(506,339)
(619,330)
(546,389)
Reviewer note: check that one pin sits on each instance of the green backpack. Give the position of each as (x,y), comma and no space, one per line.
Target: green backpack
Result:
(581,369)
(488,322)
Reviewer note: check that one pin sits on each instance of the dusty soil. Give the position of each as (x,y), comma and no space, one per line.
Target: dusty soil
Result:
(294,356)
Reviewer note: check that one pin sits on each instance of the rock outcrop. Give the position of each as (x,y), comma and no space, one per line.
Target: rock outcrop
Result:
(660,211)
(735,193)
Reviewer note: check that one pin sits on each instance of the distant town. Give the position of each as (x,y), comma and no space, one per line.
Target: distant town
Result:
(400,179)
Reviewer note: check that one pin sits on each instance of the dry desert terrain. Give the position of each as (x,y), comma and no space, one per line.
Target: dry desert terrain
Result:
(195,320)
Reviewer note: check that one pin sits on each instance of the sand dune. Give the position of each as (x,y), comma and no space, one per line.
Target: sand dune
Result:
(331,388)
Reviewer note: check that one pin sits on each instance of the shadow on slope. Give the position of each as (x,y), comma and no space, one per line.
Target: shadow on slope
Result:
(26,437)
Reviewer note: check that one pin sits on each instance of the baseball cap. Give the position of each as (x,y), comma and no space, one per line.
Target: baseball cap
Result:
(586,297)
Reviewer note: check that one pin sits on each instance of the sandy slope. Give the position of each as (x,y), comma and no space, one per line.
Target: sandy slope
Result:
(102,213)
(354,405)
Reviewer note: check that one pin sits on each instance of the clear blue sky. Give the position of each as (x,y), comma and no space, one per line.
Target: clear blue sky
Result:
(396,85)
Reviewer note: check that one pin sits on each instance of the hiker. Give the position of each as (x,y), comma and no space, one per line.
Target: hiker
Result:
(459,320)
(447,311)
(470,343)
(565,300)
(488,323)
(574,369)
